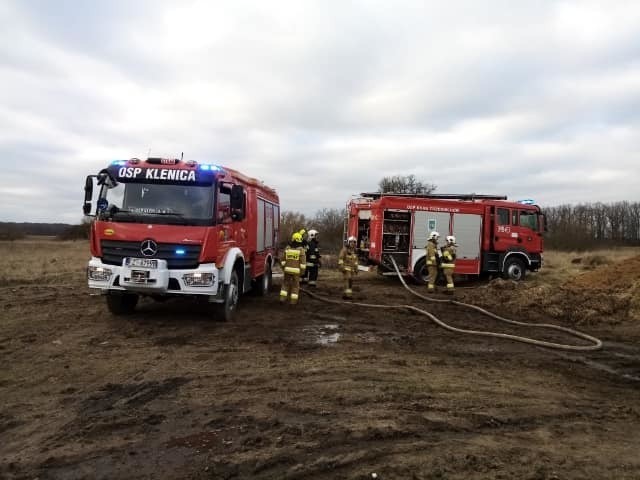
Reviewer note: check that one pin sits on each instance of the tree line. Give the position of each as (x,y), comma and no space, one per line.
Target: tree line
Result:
(591,225)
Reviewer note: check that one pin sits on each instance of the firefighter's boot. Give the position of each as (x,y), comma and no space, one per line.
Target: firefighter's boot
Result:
(283,296)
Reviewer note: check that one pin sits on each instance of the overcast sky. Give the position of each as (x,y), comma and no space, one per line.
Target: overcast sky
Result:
(322,99)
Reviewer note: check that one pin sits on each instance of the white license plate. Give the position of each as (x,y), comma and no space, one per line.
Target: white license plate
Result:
(142,262)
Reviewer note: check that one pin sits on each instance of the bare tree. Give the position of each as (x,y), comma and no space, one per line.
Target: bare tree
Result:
(330,223)
(290,222)
(405,184)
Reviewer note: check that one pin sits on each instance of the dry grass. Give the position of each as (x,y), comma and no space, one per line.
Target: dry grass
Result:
(583,288)
(558,267)
(42,261)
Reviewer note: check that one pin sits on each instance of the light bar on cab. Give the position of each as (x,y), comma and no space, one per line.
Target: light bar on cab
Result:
(120,163)
(209,167)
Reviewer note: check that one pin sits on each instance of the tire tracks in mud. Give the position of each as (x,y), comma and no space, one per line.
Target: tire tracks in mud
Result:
(615,359)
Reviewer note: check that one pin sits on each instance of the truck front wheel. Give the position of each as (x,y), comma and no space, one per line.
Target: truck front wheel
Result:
(122,303)
(227,309)
(514,269)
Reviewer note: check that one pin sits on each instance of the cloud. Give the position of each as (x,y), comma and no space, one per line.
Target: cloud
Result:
(322,99)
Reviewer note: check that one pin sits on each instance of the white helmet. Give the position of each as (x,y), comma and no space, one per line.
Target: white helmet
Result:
(451,239)
(312,234)
(434,235)
(352,239)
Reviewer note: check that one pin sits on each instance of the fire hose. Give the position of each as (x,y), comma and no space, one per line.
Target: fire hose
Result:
(597,344)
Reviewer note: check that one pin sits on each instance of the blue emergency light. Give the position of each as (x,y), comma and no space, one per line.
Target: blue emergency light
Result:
(209,167)
(119,163)
(527,201)
(180,251)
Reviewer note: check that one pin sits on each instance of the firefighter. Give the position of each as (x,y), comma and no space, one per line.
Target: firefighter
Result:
(433,260)
(293,264)
(348,263)
(449,262)
(305,245)
(313,258)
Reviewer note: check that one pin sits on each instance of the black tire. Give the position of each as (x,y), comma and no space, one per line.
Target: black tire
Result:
(514,269)
(122,303)
(263,283)
(420,272)
(226,309)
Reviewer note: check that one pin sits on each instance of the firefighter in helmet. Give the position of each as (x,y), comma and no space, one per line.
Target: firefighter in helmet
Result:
(348,264)
(304,278)
(293,264)
(449,262)
(433,260)
(313,258)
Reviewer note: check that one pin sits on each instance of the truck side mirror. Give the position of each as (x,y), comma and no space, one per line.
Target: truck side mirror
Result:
(88,195)
(237,202)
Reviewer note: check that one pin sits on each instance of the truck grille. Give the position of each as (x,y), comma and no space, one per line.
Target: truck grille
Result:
(113,251)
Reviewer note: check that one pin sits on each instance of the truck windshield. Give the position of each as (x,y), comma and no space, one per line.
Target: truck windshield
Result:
(159,203)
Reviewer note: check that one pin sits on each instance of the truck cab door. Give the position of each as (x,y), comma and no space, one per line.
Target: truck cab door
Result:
(504,237)
(516,228)
(528,230)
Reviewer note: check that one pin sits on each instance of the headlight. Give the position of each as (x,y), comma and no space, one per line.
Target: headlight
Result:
(199,279)
(99,274)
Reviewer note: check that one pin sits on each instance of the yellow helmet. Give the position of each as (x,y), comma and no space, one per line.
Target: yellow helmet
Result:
(296,237)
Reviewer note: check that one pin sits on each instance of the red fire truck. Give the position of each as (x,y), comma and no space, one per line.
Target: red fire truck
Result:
(167,227)
(493,235)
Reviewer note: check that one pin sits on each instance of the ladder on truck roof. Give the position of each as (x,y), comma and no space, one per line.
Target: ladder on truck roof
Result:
(441,196)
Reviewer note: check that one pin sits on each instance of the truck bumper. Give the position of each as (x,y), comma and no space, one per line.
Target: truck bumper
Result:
(204,280)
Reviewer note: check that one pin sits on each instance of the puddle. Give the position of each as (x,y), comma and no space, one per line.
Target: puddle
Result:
(325,335)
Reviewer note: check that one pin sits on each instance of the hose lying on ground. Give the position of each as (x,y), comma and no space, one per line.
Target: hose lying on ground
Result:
(597,344)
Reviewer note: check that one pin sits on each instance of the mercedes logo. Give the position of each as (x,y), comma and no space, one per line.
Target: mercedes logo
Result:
(148,248)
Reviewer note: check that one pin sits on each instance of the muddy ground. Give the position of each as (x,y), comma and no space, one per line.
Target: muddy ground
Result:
(317,391)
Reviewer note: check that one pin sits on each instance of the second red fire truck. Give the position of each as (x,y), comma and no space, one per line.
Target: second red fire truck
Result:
(167,227)
(494,236)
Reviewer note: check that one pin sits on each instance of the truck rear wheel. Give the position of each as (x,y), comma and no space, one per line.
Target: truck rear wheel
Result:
(514,269)
(225,310)
(263,282)
(122,303)
(420,272)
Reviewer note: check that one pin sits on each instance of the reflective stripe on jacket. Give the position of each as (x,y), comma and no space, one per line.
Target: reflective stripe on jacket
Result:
(294,260)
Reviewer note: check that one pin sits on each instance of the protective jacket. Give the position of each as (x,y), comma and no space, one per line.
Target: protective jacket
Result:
(448,256)
(432,252)
(313,252)
(294,261)
(348,260)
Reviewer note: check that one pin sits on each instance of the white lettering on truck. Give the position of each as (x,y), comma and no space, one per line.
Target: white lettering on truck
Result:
(129,172)
(163,174)
(158,174)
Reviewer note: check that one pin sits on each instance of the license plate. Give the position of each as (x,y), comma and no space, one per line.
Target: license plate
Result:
(139,276)
(143,262)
